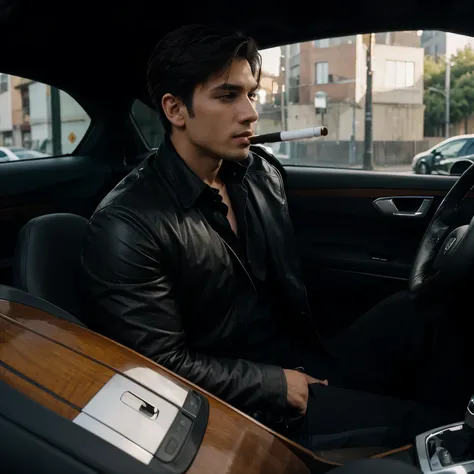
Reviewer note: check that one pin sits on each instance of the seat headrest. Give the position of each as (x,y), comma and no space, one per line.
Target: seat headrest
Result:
(47,259)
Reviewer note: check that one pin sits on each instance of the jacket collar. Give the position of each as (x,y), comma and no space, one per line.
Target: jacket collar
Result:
(187,184)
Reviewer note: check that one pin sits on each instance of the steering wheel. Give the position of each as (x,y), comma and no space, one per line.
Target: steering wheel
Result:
(446,253)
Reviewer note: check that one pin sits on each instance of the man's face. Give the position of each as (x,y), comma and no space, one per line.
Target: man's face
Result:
(224,113)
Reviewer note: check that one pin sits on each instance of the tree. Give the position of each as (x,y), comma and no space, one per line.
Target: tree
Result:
(434,72)
(435,105)
(462,98)
(462,90)
(434,77)
(463,62)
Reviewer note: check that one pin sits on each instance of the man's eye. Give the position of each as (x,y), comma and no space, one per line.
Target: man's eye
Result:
(227,97)
(253,96)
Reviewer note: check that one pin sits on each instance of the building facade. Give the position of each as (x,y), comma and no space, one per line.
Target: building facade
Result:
(336,69)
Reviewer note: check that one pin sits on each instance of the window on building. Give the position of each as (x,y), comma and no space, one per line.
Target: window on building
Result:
(294,92)
(25,101)
(321,43)
(321,73)
(294,49)
(399,74)
(26,130)
(3,83)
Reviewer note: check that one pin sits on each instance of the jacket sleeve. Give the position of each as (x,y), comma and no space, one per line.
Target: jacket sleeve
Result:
(131,296)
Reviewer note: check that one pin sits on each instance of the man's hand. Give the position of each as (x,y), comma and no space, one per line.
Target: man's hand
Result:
(298,391)
(311,380)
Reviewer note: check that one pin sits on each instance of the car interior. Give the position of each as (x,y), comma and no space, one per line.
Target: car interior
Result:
(362,235)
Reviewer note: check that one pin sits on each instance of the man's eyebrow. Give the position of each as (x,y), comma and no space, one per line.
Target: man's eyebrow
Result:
(227,86)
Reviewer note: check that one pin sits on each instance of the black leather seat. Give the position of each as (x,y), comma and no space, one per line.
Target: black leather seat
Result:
(47,259)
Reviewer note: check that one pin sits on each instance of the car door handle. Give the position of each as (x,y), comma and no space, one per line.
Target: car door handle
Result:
(388,207)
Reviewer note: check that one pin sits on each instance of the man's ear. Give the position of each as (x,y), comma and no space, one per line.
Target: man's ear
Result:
(174,109)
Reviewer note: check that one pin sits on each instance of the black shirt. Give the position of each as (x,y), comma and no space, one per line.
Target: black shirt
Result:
(260,338)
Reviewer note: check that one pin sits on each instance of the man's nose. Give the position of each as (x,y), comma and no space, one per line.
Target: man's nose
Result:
(249,113)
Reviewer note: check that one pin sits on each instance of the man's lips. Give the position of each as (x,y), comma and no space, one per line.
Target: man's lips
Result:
(246,134)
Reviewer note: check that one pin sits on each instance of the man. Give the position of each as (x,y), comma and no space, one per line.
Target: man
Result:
(191,260)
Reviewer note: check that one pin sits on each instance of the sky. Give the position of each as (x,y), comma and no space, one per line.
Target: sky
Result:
(271,60)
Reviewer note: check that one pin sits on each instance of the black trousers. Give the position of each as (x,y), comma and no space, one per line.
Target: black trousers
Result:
(399,370)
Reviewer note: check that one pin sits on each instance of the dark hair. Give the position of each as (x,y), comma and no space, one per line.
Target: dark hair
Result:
(188,56)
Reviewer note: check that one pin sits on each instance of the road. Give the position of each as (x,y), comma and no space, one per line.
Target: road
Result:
(398,169)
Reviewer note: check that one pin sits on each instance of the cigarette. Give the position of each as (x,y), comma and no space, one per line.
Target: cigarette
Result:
(286,135)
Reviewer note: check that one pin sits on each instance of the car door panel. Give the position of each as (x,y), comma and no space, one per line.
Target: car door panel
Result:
(29,188)
(354,255)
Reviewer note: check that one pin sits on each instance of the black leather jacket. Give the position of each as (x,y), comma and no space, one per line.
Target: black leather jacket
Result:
(160,280)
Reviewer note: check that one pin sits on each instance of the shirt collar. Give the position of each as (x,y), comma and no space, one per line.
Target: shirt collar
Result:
(188,185)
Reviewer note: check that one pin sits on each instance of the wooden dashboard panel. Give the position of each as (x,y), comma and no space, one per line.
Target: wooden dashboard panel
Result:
(63,366)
